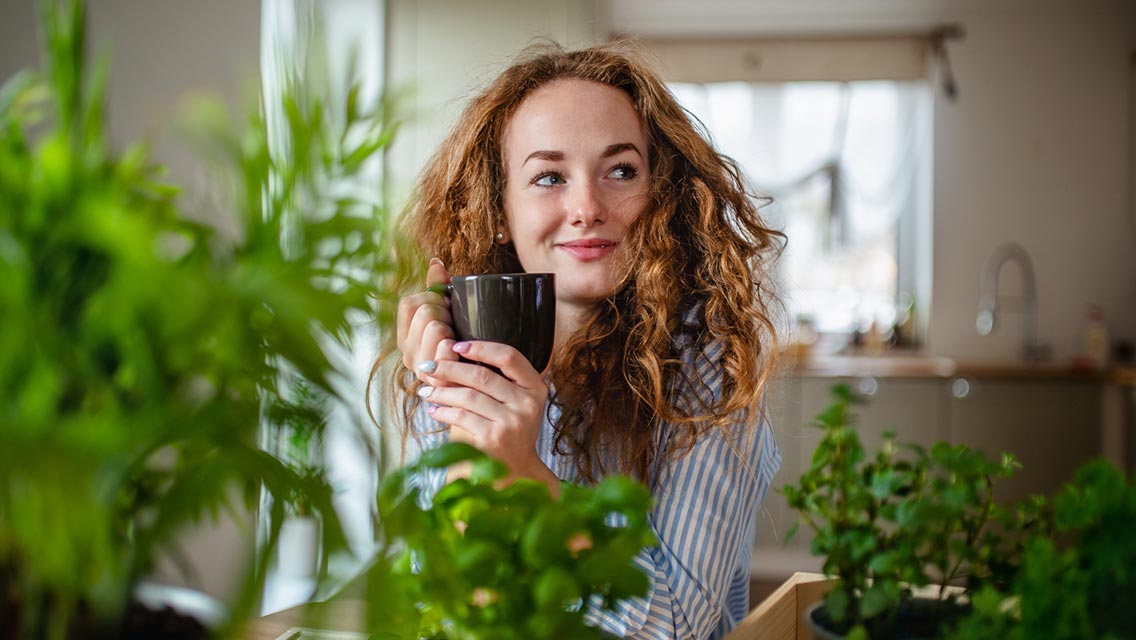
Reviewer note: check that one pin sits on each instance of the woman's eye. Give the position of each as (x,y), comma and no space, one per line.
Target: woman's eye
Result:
(550,179)
(624,172)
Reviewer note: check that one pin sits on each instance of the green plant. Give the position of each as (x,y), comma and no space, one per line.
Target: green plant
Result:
(300,445)
(486,561)
(1078,581)
(903,518)
(140,349)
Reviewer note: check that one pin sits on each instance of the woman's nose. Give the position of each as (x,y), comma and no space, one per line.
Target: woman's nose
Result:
(585,207)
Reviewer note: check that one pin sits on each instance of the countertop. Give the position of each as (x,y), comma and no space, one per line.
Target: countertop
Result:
(919,365)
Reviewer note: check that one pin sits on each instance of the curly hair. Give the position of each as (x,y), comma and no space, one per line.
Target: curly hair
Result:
(700,244)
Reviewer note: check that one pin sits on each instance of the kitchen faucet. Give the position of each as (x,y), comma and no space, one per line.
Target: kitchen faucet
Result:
(1033,348)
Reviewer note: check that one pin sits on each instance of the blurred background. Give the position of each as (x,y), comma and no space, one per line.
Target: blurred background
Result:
(903,142)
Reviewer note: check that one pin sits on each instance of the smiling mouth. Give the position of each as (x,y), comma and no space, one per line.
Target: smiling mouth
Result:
(589,250)
(589,244)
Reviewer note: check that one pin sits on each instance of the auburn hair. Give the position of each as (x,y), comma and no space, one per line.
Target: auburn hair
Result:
(699,246)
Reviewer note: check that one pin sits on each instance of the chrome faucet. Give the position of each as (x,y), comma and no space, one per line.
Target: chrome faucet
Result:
(1033,348)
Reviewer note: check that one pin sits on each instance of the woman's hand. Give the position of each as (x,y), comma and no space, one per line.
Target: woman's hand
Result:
(425,326)
(499,414)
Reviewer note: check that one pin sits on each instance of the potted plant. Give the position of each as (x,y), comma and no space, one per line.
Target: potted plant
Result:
(1076,580)
(300,448)
(890,522)
(141,348)
(498,562)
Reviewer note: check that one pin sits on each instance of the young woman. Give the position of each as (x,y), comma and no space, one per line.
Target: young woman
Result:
(583,164)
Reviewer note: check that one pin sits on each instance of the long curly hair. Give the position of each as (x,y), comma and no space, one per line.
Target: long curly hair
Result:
(699,246)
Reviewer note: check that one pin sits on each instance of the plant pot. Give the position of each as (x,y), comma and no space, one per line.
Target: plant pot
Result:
(298,550)
(917,619)
(167,611)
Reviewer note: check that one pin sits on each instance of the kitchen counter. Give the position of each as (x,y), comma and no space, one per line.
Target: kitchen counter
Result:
(915,365)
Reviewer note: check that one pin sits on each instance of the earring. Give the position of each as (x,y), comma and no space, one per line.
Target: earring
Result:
(500,236)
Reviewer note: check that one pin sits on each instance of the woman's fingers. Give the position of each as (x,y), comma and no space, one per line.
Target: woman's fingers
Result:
(417,311)
(431,324)
(436,273)
(512,363)
(468,408)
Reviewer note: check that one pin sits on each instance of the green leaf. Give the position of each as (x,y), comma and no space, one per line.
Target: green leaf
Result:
(555,587)
(449,454)
(621,493)
(837,601)
(882,595)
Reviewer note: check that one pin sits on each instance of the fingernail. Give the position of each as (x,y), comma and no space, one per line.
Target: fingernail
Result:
(431,409)
(425,390)
(460,347)
(437,261)
(428,366)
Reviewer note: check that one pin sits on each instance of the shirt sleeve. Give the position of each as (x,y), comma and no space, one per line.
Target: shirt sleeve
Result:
(704,517)
(430,434)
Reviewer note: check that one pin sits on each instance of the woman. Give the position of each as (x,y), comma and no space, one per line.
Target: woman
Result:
(582,164)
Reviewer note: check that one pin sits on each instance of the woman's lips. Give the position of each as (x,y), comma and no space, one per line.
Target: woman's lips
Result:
(588,250)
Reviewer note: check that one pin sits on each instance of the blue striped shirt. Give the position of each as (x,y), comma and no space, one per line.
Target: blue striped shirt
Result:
(704,516)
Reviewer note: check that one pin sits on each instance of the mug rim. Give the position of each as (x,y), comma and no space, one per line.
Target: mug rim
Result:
(524,275)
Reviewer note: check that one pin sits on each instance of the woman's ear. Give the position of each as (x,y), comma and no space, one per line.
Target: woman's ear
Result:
(502,235)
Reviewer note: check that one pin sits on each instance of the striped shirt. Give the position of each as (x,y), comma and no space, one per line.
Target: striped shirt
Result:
(704,516)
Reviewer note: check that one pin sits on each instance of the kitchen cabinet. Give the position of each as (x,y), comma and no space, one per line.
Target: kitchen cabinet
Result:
(912,408)
(1051,427)
(1051,424)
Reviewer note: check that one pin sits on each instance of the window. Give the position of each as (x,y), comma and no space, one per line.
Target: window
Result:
(848,167)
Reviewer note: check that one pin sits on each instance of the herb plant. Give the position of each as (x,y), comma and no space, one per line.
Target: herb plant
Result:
(492,562)
(1079,581)
(901,518)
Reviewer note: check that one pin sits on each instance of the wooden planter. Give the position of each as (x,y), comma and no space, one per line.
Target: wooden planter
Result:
(781,615)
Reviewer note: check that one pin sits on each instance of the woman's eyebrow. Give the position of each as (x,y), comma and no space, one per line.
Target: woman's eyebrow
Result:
(556,156)
(540,154)
(620,147)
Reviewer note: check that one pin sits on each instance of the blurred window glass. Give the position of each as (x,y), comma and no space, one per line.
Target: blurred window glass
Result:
(848,167)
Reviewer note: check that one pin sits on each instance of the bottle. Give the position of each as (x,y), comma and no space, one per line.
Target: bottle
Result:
(874,340)
(905,320)
(1096,338)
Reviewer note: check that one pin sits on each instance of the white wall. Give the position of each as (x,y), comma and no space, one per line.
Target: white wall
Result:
(1036,150)
(441,51)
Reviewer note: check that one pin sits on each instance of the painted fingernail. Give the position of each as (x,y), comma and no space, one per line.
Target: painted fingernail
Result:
(431,409)
(461,347)
(425,390)
(427,366)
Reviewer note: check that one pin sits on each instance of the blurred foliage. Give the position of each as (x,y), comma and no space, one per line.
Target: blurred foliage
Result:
(303,417)
(1079,582)
(139,348)
(901,518)
(491,562)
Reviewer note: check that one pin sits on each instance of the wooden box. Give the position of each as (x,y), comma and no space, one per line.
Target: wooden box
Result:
(780,616)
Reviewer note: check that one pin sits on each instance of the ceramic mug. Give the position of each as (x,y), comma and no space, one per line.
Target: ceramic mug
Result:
(517,309)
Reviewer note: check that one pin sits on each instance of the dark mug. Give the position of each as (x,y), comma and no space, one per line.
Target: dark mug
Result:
(517,309)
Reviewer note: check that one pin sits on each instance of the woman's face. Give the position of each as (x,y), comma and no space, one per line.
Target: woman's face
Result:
(576,167)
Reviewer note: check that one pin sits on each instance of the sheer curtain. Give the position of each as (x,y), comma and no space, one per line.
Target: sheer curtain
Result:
(846,164)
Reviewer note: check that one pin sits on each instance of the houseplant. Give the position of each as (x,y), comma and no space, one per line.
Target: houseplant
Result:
(140,348)
(300,447)
(902,518)
(1079,581)
(489,561)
